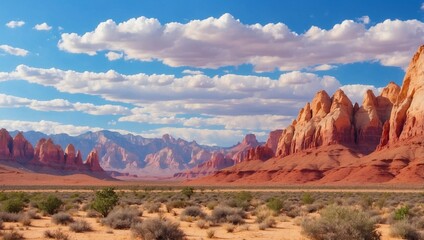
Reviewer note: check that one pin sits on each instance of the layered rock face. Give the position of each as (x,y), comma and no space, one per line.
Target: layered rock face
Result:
(46,154)
(407,117)
(326,121)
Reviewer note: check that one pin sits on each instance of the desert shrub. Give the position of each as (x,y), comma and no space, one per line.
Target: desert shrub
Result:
(262,213)
(210,233)
(92,213)
(192,211)
(50,205)
(152,207)
(211,205)
(13,205)
(176,204)
(32,213)
(275,204)
(340,223)
(405,230)
(155,228)
(202,224)
(401,213)
(222,214)
(9,217)
(122,218)
(13,235)
(25,220)
(1,224)
(80,226)
(188,192)
(307,198)
(242,200)
(56,234)
(62,218)
(294,212)
(230,228)
(105,200)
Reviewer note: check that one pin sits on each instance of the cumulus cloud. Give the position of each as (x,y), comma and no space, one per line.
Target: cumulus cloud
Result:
(47,127)
(356,92)
(42,27)
(15,24)
(13,50)
(225,41)
(422,6)
(61,105)
(192,72)
(323,67)
(365,19)
(112,56)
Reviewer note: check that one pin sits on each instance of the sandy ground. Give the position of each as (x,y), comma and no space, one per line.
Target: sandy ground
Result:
(284,230)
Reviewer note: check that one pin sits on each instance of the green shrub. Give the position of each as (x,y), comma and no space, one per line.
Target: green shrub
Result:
(223,214)
(192,211)
(341,223)
(187,191)
(105,200)
(275,204)
(401,213)
(155,228)
(13,205)
(50,205)
(307,198)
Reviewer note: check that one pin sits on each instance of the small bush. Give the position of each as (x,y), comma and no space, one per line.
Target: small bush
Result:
(1,224)
(230,228)
(80,226)
(341,223)
(401,213)
(176,204)
(307,198)
(211,205)
(275,204)
(263,213)
(25,220)
(152,207)
(122,218)
(92,213)
(405,230)
(188,192)
(10,217)
(13,235)
(62,218)
(155,228)
(202,224)
(13,205)
(192,211)
(105,200)
(226,214)
(50,205)
(210,233)
(56,234)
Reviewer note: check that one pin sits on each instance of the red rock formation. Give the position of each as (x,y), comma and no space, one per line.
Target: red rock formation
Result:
(23,151)
(407,116)
(48,153)
(92,162)
(260,153)
(6,144)
(73,161)
(272,141)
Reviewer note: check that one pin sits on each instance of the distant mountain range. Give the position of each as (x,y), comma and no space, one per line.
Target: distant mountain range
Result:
(136,155)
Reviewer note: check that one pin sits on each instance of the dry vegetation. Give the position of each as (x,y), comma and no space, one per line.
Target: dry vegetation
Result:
(213,214)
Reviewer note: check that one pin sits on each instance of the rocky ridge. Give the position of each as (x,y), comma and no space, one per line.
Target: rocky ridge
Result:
(46,155)
(333,141)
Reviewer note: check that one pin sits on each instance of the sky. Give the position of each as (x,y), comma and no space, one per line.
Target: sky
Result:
(210,71)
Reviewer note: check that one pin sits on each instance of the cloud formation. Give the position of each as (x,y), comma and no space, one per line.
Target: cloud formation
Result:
(226,41)
(15,24)
(42,27)
(61,105)
(13,50)
(47,127)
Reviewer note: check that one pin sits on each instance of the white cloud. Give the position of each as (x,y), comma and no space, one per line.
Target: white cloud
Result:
(42,27)
(47,127)
(365,19)
(61,105)
(15,24)
(323,67)
(422,6)
(356,92)
(13,50)
(224,41)
(112,56)
(192,72)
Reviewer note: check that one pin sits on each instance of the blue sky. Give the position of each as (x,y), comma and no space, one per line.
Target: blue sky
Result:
(209,71)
